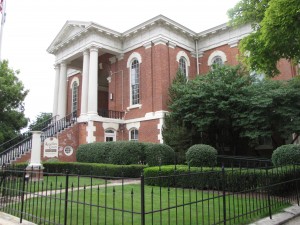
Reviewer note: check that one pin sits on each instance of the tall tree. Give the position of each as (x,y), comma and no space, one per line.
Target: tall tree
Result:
(12,95)
(41,121)
(276,25)
(227,107)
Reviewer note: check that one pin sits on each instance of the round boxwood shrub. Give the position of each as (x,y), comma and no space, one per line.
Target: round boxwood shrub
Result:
(286,155)
(158,154)
(125,153)
(94,152)
(201,155)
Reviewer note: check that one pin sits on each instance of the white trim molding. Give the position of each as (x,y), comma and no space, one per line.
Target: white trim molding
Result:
(136,125)
(74,79)
(214,54)
(134,55)
(183,54)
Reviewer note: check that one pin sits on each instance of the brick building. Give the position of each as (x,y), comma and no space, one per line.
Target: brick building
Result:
(118,82)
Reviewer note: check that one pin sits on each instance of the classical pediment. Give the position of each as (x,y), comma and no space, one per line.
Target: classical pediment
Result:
(69,30)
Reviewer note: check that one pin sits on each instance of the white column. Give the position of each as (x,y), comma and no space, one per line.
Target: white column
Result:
(35,158)
(56,88)
(93,82)
(85,82)
(62,92)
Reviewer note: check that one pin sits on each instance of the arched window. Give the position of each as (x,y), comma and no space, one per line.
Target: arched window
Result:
(110,135)
(134,135)
(183,66)
(135,82)
(74,96)
(183,63)
(217,60)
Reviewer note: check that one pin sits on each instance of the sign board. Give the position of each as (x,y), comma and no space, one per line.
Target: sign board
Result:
(51,147)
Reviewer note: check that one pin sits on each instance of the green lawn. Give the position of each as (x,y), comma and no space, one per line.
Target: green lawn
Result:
(51,183)
(103,206)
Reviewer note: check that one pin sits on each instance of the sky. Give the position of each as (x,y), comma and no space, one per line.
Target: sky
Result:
(32,25)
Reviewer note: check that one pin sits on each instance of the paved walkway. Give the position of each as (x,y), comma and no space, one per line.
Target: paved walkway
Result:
(289,216)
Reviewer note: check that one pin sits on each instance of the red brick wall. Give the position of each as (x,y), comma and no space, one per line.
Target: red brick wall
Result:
(148,131)
(231,55)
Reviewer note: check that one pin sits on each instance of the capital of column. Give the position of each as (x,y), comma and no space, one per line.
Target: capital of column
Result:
(94,49)
(85,52)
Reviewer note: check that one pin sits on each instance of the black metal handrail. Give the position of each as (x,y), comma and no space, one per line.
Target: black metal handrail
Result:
(26,134)
(111,114)
(24,145)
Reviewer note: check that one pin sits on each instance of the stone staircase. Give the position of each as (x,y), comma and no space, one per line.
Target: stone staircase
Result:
(21,145)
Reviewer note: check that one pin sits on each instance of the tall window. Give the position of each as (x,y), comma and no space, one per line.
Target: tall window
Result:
(135,82)
(134,135)
(183,66)
(74,96)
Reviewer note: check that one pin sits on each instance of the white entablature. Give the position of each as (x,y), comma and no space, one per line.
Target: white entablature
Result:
(76,36)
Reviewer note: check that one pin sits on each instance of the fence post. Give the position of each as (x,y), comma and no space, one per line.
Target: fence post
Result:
(224,194)
(22,195)
(142,199)
(297,192)
(66,197)
(268,191)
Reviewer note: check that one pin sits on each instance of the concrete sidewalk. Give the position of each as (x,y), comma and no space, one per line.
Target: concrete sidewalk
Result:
(7,219)
(288,214)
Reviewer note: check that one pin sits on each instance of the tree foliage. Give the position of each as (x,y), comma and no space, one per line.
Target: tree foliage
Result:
(276,25)
(41,121)
(12,95)
(227,107)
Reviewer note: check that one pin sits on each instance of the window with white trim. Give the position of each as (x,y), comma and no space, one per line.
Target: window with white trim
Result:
(74,96)
(217,60)
(135,82)
(134,135)
(110,135)
(183,66)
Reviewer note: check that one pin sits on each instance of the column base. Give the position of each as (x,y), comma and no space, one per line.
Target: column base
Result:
(34,172)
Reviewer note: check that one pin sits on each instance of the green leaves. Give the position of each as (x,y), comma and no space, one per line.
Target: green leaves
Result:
(12,95)
(227,106)
(276,25)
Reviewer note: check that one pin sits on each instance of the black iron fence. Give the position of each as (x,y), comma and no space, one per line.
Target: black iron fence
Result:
(232,195)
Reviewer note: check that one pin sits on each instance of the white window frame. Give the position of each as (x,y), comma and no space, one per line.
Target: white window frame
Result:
(110,134)
(181,55)
(131,59)
(74,103)
(215,55)
(135,81)
(136,133)
(183,66)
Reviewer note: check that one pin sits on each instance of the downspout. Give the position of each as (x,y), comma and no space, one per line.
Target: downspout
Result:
(197,55)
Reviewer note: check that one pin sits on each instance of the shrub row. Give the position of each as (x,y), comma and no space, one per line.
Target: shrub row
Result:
(95,169)
(235,180)
(125,153)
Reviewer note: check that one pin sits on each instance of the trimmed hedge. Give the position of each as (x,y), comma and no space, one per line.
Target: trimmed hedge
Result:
(201,155)
(158,154)
(286,155)
(233,179)
(125,153)
(95,169)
